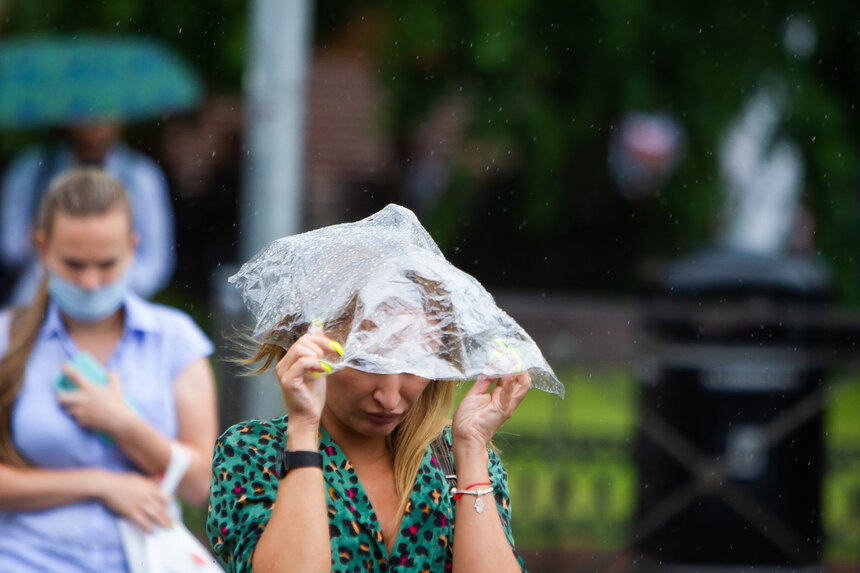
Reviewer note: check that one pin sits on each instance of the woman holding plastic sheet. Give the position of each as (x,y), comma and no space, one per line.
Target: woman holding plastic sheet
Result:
(83,437)
(368,325)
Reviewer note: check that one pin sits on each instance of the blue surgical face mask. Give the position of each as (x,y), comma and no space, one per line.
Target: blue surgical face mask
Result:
(87,305)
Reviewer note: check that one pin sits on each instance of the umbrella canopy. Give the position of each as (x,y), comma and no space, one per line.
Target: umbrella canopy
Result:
(53,81)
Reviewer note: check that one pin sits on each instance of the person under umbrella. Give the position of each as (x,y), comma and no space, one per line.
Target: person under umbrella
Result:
(89,85)
(92,143)
(369,329)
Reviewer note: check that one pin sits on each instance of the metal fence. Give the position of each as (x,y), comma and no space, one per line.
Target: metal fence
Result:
(576,494)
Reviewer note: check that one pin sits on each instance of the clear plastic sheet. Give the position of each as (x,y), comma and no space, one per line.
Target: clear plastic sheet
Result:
(382,288)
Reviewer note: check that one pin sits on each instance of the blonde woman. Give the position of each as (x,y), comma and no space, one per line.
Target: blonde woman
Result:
(369,328)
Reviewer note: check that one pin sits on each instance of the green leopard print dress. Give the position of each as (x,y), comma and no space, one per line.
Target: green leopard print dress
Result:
(244,486)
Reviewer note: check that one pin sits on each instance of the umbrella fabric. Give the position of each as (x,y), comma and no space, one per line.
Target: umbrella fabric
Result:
(50,80)
(382,288)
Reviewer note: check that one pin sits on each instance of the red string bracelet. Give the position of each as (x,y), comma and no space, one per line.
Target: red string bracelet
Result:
(459,495)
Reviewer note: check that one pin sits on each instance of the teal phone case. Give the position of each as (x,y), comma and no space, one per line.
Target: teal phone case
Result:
(87,365)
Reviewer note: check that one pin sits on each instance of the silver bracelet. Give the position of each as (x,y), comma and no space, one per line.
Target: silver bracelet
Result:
(479,504)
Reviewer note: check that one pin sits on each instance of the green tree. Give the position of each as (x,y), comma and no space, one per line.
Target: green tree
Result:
(548,82)
(545,85)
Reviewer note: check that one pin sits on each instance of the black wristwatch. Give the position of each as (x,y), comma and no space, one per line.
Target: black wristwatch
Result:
(303,459)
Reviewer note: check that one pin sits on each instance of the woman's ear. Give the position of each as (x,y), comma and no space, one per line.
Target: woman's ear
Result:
(41,242)
(133,240)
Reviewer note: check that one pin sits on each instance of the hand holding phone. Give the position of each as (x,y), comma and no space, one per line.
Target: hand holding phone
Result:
(89,367)
(95,415)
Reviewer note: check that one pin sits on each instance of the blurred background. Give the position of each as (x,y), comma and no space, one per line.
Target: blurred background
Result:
(666,195)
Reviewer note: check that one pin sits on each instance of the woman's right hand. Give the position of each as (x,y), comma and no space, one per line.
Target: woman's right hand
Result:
(303,378)
(134,497)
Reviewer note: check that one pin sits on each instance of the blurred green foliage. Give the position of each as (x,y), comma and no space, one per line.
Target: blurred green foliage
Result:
(544,85)
(549,82)
(209,35)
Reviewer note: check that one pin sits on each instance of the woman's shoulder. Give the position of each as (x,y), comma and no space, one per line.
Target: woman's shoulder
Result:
(161,314)
(27,163)
(259,433)
(147,315)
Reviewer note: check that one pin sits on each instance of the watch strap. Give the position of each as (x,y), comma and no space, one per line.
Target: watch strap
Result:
(288,460)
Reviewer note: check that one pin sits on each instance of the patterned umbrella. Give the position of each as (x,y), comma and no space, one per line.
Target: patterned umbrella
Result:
(56,80)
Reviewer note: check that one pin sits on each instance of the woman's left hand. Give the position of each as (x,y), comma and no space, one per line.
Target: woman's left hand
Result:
(482,411)
(93,406)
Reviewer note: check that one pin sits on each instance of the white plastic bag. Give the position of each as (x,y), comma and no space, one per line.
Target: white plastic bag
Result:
(171,549)
(382,289)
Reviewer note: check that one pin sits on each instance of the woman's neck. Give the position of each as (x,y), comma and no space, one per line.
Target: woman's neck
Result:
(98,338)
(358,449)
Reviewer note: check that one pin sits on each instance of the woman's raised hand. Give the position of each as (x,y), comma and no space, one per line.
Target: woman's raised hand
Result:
(483,410)
(302,374)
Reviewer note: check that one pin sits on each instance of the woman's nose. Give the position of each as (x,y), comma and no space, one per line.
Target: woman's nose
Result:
(89,278)
(387,391)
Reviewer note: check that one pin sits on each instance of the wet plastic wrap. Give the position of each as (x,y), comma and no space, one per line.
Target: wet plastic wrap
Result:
(382,288)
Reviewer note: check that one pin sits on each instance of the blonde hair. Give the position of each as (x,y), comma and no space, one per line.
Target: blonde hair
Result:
(426,420)
(79,192)
(430,414)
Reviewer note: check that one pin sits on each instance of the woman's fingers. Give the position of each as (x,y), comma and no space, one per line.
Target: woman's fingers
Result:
(150,516)
(157,514)
(78,379)
(508,392)
(292,369)
(137,498)
(152,508)
(67,399)
(326,345)
(504,392)
(312,345)
(317,346)
(301,373)
(114,381)
(512,389)
(481,385)
(309,365)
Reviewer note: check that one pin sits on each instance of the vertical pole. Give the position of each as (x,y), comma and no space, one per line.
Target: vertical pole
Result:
(275,88)
(275,92)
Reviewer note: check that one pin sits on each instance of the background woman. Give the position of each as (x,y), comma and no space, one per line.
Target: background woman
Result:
(369,327)
(75,457)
